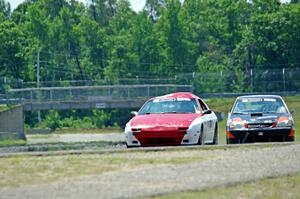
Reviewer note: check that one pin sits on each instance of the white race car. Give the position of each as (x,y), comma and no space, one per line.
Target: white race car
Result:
(174,119)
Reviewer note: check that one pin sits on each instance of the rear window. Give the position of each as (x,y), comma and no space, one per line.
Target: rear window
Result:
(259,105)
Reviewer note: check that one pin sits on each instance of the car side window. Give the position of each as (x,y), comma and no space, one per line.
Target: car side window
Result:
(202,105)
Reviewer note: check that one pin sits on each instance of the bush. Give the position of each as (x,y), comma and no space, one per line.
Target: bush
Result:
(51,121)
(77,119)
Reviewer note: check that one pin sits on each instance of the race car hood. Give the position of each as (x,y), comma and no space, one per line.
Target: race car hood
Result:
(258,117)
(163,120)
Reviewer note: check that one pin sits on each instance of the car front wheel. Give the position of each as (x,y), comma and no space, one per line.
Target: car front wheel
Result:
(201,137)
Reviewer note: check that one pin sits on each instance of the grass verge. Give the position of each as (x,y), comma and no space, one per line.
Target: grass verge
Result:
(4,143)
(278,188)
(26,170)
(3,108)
(293,103)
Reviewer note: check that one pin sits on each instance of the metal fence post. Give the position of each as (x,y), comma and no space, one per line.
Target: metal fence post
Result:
(51,95)
(283,78)
(31,96)
(5,88)
(251,79)
(70,93)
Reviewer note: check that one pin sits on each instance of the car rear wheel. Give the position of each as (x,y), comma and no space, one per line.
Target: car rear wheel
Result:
(290,139)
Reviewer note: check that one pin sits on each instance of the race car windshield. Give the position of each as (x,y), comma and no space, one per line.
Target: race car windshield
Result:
(259,105)
(176,105)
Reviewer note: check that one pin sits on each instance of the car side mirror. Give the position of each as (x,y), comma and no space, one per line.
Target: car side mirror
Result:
(134,113)
(206,112)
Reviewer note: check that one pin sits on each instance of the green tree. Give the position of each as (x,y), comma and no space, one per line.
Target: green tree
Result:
(92,40)
(12,60)
(5,8)
(154,8)
(170,33)
(102,11)
(123,59)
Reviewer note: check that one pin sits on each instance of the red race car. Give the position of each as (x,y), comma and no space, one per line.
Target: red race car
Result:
(170,120)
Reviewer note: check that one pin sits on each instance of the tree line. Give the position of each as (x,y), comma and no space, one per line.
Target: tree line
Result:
(106,39)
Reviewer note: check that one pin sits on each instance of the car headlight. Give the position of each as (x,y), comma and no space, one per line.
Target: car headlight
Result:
(236,123)
(284,122)
(128,128)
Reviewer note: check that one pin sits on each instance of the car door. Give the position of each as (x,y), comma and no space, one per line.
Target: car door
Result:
(208,123)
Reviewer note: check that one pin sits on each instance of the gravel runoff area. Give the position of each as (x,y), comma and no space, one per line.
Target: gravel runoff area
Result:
(56,142)
(71,138)
(228,167)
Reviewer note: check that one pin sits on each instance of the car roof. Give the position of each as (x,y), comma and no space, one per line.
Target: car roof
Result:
(177,95)
(260,96)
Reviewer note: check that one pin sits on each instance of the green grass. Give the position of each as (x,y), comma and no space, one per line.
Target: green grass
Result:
(225,104)
(11,142)
(278,188)
(221,132)
(3,108)
(220,104)
(293,103)
(26,170)
(6,107)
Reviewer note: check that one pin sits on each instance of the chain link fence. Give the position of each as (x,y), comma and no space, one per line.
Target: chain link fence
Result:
(221,82)
(254,80)
(91,93)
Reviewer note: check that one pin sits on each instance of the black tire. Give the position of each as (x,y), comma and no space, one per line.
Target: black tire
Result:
(200,140)
(290,139)
(129,147)
(215,141)
(232,141)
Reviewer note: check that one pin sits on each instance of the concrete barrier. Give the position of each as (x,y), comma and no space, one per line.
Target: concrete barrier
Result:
(12,124)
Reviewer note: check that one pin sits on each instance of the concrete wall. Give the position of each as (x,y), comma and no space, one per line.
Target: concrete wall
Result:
(12,124)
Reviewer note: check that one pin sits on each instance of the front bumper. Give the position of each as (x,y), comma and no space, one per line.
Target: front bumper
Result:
(162,138)
(260,134)
(159,138)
